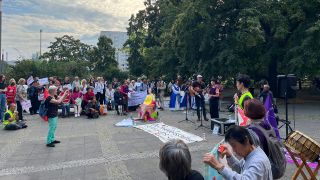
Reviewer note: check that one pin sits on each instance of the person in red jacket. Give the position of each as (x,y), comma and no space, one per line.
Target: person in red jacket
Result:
(66,101)
(87,96)
(11,91)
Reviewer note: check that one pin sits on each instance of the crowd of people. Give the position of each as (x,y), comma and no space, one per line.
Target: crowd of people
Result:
(252,151)
(249,143)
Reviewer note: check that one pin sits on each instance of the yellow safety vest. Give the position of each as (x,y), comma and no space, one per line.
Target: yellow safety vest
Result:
(6,122)
(240,102)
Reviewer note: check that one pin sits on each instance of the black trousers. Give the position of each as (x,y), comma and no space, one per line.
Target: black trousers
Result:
(35,103)
(200,104)
(214,108)
(19,109)
(99,98)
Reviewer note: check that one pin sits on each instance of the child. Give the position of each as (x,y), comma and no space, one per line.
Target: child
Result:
(76,101)
(66,102)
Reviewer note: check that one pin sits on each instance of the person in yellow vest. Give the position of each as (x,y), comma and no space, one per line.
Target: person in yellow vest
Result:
(243,83)
(10,119)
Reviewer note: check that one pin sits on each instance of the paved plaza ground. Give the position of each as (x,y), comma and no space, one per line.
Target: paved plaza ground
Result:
(96,149)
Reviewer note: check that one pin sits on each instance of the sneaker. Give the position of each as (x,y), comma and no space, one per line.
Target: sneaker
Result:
(50,145)
(56,142)
(79,115)
(75,115)
(206,119)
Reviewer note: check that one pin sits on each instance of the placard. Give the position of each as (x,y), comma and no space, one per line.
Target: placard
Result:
(43,81)
(216,129)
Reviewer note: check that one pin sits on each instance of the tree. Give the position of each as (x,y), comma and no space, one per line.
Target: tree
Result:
(103,56)
(213,37)
(67,48)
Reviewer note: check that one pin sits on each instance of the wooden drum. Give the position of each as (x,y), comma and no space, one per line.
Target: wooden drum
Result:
(303,145)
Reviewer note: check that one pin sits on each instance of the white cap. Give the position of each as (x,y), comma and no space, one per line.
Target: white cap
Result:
(199,76)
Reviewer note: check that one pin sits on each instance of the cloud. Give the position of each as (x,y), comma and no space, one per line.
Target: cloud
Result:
(83,19)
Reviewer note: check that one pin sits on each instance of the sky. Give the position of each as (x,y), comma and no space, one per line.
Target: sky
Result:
(83,19)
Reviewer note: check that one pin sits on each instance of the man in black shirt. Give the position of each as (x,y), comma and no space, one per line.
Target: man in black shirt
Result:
(198,88)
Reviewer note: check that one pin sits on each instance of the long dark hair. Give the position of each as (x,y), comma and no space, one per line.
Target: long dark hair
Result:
(1,76)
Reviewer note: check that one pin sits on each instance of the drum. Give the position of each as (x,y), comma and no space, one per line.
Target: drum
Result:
(303,145)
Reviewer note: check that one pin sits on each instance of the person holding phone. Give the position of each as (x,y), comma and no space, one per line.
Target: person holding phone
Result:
(52,113)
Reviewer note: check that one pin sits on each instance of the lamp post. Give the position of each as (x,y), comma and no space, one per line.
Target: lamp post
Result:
(1,57)
(40,42)
(1,29)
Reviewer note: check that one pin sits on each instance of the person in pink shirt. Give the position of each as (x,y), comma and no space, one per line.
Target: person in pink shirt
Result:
(66,102)
(76,101)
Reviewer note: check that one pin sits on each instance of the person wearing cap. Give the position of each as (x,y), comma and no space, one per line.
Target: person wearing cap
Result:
(52,113)
(33,92)
(66,101)
(198,87)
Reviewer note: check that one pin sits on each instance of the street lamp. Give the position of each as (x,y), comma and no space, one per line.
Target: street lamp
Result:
(1,57)
(0,29)
(40,42)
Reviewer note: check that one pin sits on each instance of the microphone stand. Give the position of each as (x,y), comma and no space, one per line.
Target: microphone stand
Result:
(186,119)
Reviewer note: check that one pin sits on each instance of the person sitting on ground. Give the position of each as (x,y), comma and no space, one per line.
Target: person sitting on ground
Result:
(87,96)
(10,119)
(118,100)
(66,101)
(175,161)
(92,108)
(147,108)
(254,165)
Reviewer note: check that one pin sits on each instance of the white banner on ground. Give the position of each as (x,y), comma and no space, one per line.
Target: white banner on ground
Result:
(166,133)
(136,98)
(43,81)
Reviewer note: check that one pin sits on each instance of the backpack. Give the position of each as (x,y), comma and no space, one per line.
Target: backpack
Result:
(43,109)
(276,152)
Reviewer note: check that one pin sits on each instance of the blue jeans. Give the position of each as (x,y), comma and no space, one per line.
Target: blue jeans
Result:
(3,107)
(65,109)
(52,129)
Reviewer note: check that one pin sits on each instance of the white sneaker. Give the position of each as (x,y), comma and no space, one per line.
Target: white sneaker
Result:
(75,115)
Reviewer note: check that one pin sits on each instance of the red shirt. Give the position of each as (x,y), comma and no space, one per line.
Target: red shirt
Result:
(87,96)
(67,100)
(11,93)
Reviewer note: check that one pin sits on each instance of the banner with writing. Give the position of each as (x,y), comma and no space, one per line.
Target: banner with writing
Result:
(166,133)
(136,98)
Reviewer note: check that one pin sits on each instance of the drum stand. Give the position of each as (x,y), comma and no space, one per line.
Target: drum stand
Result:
(187,120)
(299,171)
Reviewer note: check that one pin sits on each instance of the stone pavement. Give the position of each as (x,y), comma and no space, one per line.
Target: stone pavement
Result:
(95,149)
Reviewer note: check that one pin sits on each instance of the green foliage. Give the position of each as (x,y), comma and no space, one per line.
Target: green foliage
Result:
(70,57)
(214,37)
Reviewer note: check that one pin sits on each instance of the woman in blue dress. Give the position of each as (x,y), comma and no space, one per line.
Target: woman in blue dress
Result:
(175,97)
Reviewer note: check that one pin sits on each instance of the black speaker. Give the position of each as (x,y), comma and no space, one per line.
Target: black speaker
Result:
(286,83)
